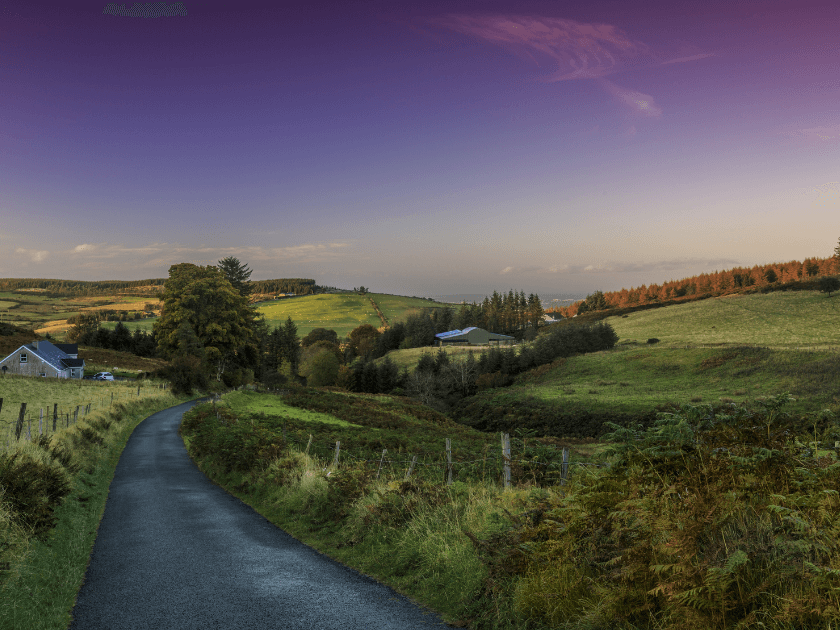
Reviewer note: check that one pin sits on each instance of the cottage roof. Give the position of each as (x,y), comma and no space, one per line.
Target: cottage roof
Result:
(48,352)
(73,363)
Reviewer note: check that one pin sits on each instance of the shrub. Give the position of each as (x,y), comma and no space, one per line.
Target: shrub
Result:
(33,488)
(653,340)
(494,379)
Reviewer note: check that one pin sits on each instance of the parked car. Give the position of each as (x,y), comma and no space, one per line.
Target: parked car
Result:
(103,376)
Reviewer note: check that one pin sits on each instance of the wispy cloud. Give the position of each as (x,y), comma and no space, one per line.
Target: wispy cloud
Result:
(640,103)
(815,135)
(506,270)
(35,255)
(575,50)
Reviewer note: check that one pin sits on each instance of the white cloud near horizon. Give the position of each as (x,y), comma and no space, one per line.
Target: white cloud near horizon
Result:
(34,255)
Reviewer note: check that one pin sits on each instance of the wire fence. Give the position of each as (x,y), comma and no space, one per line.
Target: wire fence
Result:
(30,423)
(543,464)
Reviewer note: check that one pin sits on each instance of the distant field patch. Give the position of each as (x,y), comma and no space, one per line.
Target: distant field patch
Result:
(270,405)
(396,307)
(341,312)
(783,319)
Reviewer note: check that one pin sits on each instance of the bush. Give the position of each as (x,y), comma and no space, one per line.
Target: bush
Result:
(495,379)
(653,340)
(33,488)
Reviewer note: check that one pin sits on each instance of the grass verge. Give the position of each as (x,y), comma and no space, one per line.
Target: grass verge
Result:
(45,572)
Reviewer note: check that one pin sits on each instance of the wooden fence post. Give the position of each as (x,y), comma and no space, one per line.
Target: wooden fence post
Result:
(55,415)
(76,415)
(308,444)
(410,468)
(1,404)
(564,470)
(448,462)
(384,450)
(138,391)
(506,457)
(41,422)
(337,449)
(19,426)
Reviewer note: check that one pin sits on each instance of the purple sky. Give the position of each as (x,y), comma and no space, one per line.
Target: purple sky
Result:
(419,147)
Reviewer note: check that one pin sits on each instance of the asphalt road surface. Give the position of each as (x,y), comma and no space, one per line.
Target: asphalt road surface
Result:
(176,551)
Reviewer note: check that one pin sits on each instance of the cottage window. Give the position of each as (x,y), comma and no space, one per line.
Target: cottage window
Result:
(44,374)
(23,357)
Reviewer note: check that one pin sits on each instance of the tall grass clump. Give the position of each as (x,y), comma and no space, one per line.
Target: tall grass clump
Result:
(703,520)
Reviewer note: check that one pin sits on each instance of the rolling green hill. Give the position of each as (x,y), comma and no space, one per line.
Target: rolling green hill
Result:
(341,312)
(792,319)
(733,349)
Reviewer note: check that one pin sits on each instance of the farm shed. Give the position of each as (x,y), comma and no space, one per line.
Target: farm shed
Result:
(472,337)
(42,358)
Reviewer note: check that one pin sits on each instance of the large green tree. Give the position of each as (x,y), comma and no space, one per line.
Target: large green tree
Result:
(828,284)
(218,314)
(237,273)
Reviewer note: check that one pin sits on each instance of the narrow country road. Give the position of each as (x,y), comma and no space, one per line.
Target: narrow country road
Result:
(176,551)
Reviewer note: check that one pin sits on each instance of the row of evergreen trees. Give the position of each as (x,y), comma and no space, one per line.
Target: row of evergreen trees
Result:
(438,378)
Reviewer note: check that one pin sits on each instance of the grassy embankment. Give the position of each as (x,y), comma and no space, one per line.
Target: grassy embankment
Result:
(341,312)
(54,494)
(45,394)
(408,535)
(710,522)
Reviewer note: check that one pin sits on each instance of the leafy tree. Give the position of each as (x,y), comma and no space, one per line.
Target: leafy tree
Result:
(321,369)
(218,315)
(770,275)
(363,339)
(320,334)
(837,250)
(237,274)
(828,284)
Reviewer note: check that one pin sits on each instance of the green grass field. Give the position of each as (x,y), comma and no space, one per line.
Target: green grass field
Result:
(341,312)
(736,349)
(631,379)
(397,307)
(791,319)
(44,393)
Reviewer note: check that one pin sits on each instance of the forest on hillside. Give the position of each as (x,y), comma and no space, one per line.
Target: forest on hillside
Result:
(793,274)
(88,288)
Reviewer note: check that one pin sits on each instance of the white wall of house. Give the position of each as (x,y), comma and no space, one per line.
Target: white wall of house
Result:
(33,365)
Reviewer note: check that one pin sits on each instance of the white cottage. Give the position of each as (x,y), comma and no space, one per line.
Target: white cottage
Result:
(43,358)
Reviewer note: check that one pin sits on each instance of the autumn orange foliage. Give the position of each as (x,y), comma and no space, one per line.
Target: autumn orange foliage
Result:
(793,274)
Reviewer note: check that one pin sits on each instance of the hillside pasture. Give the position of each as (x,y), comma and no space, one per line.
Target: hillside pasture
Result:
(341,312)
(783,319)
(397,308)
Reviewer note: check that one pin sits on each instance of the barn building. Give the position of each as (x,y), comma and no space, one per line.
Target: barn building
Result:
(472,337)
(43,358)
